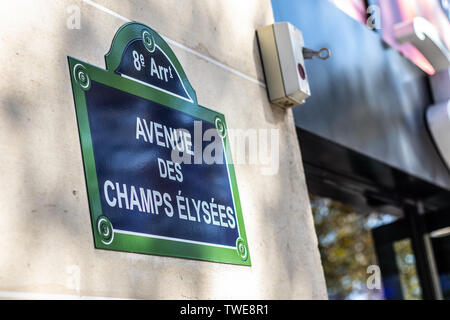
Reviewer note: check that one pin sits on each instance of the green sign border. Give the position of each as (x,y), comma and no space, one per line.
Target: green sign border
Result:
(82,74)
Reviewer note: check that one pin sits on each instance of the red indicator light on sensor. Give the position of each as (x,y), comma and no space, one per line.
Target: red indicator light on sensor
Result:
(301,71)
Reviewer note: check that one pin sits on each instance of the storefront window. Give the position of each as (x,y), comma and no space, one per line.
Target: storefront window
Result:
(407,266)
(348,251)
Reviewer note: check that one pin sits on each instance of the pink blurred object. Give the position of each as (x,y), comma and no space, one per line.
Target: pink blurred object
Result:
(395,11)
(354,8)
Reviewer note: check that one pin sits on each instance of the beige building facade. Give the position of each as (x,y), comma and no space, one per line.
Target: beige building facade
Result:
(46,240)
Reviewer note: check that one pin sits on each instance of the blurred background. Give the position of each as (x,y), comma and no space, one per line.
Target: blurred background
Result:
(379,187)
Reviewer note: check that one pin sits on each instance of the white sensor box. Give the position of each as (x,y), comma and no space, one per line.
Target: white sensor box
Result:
(281,46)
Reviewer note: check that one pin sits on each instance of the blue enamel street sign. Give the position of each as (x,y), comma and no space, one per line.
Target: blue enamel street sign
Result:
(150,189)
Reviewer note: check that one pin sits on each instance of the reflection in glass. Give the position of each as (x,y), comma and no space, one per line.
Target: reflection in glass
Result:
(346,247)
(407,267)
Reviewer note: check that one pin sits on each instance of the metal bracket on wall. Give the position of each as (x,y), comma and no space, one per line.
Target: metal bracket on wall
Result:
(323,53)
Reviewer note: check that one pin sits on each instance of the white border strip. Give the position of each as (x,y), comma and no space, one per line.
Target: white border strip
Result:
(231,187)
(181,46)
(170,238)
(156,88)
(104,9)
(215,62)
(16,295)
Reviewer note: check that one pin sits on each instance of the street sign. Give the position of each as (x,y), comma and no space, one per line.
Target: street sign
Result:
(158,166)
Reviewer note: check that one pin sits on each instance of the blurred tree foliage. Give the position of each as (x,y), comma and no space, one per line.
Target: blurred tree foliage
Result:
(407,267)
(347,249)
